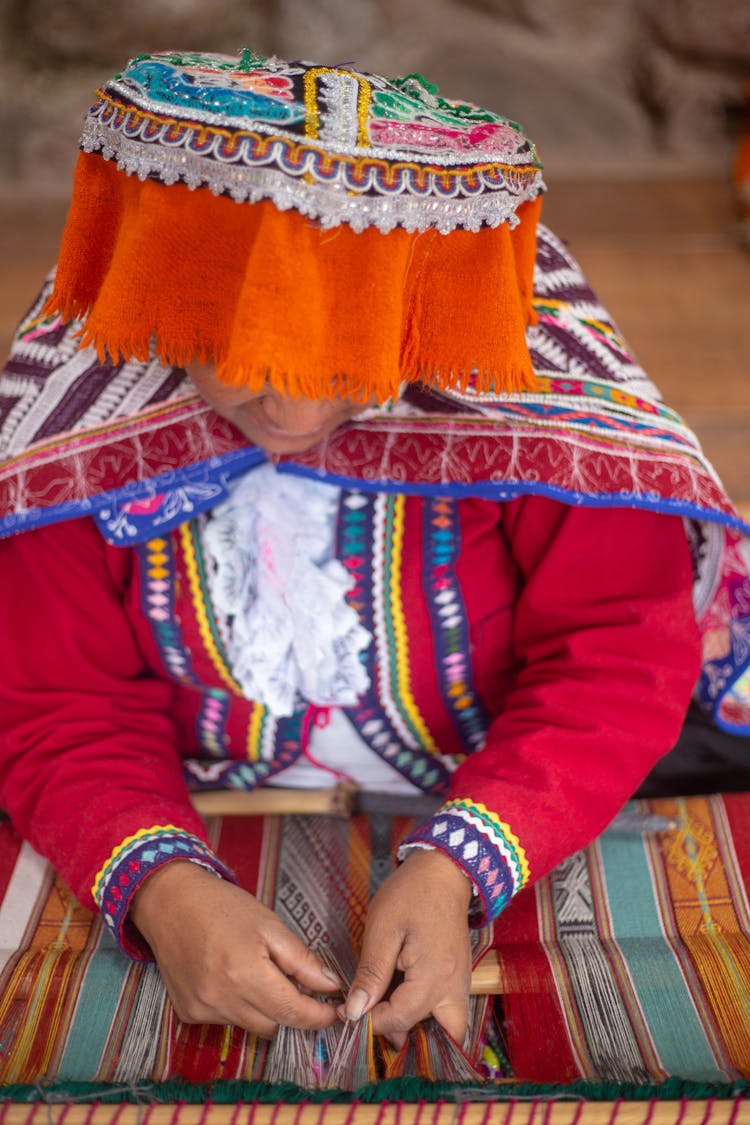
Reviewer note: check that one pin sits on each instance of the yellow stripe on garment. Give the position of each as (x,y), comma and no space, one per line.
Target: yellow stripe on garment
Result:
(156,831)
(398,623)
(258,712)
(204,627)
(312,115)
(254,732)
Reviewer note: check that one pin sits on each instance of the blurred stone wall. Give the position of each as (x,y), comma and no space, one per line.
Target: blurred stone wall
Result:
(605,87)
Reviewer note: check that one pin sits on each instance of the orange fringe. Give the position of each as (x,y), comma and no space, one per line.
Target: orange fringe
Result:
(271,297)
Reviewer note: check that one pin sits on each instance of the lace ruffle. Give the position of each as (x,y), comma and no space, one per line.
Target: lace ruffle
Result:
(280,595)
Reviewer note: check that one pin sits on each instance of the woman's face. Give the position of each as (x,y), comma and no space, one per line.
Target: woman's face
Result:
(269,419)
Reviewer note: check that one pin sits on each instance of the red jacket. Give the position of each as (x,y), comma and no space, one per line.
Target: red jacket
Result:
(579,649)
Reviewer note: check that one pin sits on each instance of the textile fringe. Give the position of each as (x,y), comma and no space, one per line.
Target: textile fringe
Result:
(392,1090)
(270,296)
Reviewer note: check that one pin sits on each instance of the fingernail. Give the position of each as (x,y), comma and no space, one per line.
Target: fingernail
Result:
(331,976)
(356,1003)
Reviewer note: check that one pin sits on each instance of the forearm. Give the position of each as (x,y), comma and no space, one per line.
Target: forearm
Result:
(89,770)
(608,654)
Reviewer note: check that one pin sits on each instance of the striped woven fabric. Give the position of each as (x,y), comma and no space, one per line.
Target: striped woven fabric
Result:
(631,963)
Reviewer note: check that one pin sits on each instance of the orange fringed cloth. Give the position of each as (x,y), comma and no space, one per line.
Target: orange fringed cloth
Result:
(324,229)
(268,292)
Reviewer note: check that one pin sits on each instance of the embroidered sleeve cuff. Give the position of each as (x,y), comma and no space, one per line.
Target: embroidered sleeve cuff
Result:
(134,860)
(483,847)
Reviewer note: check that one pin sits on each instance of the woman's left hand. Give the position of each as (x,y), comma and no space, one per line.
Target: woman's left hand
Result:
(417,923)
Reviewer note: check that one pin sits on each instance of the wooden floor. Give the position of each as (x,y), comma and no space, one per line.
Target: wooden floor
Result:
(663,256)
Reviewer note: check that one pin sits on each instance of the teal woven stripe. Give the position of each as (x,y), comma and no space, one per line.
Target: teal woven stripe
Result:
(95,1010)
(663,994)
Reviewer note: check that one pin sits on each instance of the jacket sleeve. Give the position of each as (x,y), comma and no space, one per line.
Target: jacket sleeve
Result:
(89,768)
(607,652)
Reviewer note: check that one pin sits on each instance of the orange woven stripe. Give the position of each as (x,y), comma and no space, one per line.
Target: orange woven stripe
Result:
(707,920)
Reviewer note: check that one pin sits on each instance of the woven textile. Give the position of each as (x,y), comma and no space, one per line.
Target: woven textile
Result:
(72,1007)
(631,963)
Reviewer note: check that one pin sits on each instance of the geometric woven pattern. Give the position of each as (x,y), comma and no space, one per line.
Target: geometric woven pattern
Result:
(137,857)
(486,848)
(631,963)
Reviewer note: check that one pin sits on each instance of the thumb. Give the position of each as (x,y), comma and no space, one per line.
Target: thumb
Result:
(374,973)
(299,961)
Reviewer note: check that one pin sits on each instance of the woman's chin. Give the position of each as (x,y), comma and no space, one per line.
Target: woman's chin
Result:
(280,442)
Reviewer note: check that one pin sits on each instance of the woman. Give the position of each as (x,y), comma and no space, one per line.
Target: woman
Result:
(403,524)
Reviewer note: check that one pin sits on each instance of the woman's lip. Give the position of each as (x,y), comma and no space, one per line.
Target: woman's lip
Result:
(280,432)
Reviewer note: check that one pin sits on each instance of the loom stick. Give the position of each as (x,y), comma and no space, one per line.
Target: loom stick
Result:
(498,1112)
(337,800)
(485,977)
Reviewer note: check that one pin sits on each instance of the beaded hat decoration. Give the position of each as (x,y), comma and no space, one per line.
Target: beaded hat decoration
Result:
(317,228)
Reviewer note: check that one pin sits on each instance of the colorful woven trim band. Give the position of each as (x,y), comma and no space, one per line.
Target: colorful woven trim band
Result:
(480,843)
(132,861)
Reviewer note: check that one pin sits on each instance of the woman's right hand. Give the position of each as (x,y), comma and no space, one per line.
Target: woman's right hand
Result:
(225,958)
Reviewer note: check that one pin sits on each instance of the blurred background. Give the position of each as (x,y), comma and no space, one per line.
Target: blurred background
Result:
(637,108)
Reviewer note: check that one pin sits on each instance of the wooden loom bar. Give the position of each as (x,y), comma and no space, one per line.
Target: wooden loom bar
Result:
(485,977)
(338,800)
(506,1112)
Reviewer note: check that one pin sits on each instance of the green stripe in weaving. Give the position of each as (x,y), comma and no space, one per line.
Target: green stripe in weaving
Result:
(95,1010)
(662,992)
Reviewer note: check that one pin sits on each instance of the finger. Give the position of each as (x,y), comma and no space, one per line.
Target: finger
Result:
(297,960)
(257,999)
(453,1016)
(380,949)
(413,1001)
(253,1020)
(237,1013)
(285,1004)
(407,1006)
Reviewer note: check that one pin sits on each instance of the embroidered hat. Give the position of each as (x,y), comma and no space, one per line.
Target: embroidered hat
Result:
(320,228)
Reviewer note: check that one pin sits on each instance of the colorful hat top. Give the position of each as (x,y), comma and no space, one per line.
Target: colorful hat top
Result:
(334,143)
(316,229)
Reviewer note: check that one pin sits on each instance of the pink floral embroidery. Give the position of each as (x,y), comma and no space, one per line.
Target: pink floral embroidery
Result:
(144,507)
(490,137)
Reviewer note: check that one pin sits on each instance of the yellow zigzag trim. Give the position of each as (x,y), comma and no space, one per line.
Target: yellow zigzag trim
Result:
(399,631)
(141,834)
(500,827)
(191,565)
